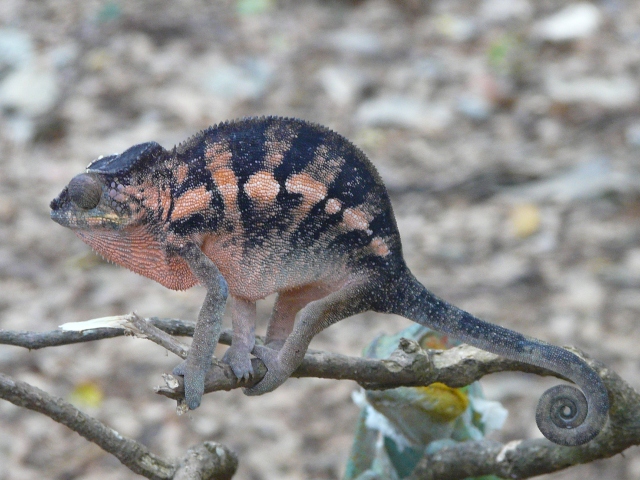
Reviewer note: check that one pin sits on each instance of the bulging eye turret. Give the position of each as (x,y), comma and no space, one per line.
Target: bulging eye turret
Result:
(85,191)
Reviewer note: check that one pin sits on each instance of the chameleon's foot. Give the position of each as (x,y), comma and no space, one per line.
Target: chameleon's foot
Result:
(240,362)
(275,375)
(193,382)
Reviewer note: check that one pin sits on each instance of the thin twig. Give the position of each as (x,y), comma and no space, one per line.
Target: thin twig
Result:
(142,328)
(56,338)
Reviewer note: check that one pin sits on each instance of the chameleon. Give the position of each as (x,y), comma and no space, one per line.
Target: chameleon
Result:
(257,206)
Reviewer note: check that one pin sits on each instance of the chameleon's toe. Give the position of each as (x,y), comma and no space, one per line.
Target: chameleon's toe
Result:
(193,383)
(240,362)
(275,344)
(275,375)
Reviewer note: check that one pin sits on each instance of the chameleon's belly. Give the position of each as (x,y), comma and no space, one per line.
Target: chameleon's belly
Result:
(264,271)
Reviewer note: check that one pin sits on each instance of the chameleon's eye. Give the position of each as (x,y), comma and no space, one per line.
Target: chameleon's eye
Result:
(85,191)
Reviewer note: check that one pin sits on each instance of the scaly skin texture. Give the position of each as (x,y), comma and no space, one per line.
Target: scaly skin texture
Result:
(275,205)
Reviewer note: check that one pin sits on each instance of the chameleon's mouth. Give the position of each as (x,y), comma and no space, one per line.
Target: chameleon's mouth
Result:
(61,217)
(68,219)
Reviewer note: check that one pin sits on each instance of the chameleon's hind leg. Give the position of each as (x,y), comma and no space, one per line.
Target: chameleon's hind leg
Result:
(238,355)
(287,306)
(315,317)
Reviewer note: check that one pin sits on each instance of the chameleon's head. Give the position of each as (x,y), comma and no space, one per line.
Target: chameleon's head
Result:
(99,197)
(113,206)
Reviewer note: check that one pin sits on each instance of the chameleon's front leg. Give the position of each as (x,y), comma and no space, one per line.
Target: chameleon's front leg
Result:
(208,327)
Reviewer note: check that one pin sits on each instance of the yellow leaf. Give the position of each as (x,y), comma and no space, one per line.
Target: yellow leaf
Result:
(525,219)
(86,394)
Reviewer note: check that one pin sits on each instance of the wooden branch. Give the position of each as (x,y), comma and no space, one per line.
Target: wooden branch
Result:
(206,461)
(408,366)
(55,338)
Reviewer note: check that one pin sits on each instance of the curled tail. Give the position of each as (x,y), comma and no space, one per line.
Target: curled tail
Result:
(565,415)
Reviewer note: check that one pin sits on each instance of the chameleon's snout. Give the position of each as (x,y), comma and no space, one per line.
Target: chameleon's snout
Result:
(62,210)
(57,202)
(59,213)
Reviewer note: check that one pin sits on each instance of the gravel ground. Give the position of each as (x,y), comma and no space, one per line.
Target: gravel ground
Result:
(508,133)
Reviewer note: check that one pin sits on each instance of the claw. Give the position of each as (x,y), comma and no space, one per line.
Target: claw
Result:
(193,383)
(240,363)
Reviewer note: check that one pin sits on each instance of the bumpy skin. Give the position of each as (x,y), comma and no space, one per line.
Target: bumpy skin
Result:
(258,206)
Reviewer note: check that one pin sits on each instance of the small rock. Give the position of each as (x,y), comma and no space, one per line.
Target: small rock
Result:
(429,68)
(30,90)
(16,48)
(19,129)
(485,92)
(64,55)
(207,426)
(565,327)
(587,180)
(458,29)
(253,7)
(8,209)
(355,42)
(246,81)
(633,261)
(614,93)
(549,131)
(632,134)
(584,292)
(98,59)
(29,87)
(576,21)
(474,106)
(498,11)
(404,112)
(342,85)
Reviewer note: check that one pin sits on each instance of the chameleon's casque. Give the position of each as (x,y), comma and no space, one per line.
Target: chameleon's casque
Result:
(264,205)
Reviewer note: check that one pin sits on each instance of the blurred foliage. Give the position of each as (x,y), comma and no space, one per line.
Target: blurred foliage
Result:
(397,426)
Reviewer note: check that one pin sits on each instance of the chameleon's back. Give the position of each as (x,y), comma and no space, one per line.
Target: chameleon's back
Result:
(295,199)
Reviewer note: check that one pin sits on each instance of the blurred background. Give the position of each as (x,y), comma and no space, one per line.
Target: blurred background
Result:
(507,131)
